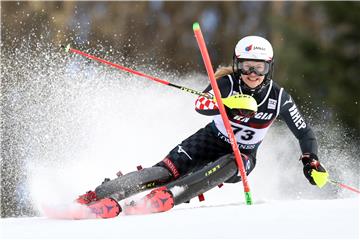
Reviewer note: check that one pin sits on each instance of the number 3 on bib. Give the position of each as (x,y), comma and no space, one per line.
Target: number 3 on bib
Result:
(245,134)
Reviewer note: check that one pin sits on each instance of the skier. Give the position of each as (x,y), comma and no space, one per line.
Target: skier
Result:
(205,159)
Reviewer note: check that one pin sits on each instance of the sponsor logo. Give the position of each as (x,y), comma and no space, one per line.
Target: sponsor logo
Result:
(272,103)
(150,185)
(263,116)
(240,146)
(181,150)
(246,147)
(170,165)
(296,117)
(238,118)
(248,48)
(259,115)
(211,171)
(288,101)
(259,48)
(244,120)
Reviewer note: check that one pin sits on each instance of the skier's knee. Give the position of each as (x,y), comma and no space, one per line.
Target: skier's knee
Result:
(170,166)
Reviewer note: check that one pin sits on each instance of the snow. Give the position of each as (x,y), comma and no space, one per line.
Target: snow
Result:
(304,219)
(95,121)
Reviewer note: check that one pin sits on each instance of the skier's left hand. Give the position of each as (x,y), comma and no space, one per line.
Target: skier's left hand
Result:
(313,170)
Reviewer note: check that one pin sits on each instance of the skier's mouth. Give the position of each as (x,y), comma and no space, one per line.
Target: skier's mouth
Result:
(252,79)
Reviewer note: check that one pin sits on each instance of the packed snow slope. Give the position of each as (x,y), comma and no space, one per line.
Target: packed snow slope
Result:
(75,122)
(224,218)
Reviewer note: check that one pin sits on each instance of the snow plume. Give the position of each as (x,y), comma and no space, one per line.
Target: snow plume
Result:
(69,122)
(279,173)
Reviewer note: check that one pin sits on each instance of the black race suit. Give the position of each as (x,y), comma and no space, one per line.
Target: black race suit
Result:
(211,142)
(205,160)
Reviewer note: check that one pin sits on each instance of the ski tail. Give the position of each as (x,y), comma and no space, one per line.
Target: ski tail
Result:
(158,200)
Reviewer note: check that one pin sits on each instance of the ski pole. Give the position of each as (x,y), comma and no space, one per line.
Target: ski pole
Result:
(129,70)
(344,186)
(321,178)
(205,55)
(246,102)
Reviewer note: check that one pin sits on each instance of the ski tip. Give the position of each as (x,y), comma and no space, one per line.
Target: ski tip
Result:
(66,48)
(196,26)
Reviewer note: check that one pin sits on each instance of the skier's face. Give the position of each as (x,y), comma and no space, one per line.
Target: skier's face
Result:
(252,80)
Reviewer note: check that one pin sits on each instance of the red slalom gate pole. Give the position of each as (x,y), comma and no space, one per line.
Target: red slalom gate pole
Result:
(210,71)
(129,70)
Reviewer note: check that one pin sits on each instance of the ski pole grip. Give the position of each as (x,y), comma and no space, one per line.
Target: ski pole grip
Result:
(66,48)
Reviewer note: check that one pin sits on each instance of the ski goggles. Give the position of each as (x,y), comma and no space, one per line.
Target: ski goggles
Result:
(260,68)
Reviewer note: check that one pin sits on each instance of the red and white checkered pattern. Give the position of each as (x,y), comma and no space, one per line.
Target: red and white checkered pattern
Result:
(203,103)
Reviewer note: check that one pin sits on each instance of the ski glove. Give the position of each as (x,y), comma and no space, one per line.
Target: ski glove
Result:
(231,113)
(313,170)
(240,105)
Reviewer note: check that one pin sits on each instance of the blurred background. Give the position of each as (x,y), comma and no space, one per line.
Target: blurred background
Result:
(316,45)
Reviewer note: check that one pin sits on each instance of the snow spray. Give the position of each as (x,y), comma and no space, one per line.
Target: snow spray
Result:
(67,123)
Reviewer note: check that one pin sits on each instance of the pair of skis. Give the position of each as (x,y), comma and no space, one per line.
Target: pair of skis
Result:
(158,200)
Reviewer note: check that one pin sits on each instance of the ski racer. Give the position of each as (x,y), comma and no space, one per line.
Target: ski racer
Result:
(205,159)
